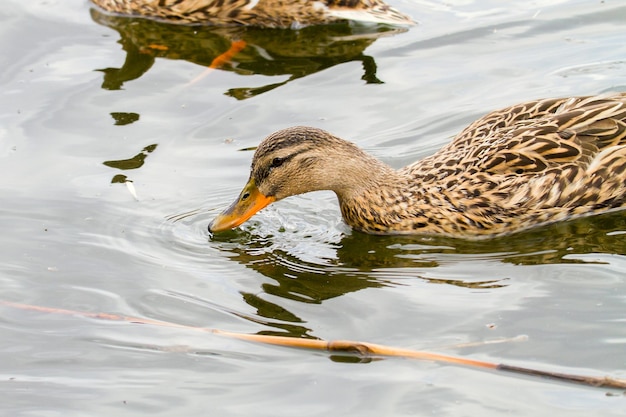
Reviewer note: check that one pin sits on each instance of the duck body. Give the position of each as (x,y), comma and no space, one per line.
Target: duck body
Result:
(265,13)
(519,167)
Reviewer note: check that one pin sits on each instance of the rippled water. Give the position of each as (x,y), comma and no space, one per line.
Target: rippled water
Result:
(112,129)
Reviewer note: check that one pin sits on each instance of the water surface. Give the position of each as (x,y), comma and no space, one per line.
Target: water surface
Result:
(112,127)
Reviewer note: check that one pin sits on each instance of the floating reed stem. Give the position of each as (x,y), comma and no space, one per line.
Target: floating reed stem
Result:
(346,347)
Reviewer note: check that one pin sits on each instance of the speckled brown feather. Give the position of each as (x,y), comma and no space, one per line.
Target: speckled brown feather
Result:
(265,13)
(519,167)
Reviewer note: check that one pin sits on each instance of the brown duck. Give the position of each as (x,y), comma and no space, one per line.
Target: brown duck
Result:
(263,13)
(523,166)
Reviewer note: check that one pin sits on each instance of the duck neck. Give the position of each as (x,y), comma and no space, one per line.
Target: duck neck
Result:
(374,197)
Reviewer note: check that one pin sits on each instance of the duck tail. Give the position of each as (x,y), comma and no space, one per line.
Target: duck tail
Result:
(373,11)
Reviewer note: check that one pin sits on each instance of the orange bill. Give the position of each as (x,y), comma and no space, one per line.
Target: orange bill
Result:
(247,204)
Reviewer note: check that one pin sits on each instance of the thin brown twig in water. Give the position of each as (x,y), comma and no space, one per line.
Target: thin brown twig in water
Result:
(344,347)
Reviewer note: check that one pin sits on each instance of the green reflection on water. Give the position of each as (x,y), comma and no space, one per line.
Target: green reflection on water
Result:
(270,52)
(364,261)
(134,162)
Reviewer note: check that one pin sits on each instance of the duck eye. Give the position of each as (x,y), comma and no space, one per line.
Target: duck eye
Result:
(276,162)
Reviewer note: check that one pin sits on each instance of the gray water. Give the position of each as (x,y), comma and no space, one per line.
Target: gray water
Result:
(111,129)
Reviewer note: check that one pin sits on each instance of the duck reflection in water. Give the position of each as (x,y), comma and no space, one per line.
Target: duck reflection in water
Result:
(270,52)
(358,261)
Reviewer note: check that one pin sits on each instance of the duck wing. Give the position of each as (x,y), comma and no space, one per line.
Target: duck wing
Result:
(541,136)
